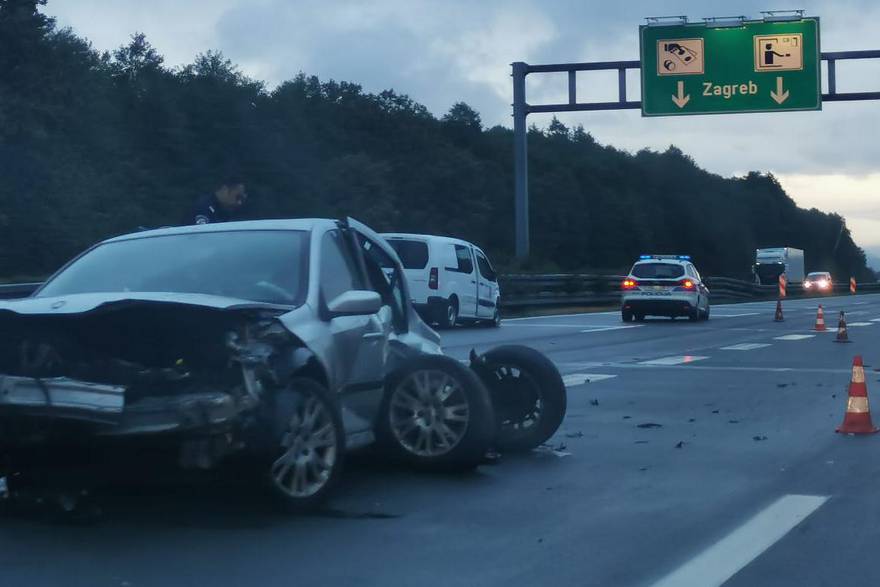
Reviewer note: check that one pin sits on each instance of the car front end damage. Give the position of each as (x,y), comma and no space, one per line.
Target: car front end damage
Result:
(115,383)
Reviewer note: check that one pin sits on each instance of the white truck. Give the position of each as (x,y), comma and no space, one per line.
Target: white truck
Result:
(773,262)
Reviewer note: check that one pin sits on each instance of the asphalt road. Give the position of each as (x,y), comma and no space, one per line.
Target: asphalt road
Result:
(693,454)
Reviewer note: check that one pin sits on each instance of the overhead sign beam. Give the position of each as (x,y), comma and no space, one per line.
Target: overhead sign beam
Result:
(521,109)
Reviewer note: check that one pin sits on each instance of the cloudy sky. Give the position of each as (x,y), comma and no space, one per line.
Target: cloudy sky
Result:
(443,51)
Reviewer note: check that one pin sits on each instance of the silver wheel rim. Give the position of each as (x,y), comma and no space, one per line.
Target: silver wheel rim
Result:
(309,450)
(428,413)
(451,315)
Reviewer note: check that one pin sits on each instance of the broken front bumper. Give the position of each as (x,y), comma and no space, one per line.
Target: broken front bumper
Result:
(106,407)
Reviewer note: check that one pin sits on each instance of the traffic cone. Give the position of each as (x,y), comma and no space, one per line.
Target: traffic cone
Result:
(820,320)
(841,329)
(857,419)
(778,317)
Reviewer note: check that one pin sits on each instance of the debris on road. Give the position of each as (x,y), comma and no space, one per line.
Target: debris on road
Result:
(716,411)
(558,450)
(759,438)
(680,444)
(577,434)
(733,421)
(641,442)
(643,469)
(594,402)
(627,417)
(692,419)
(782,385)
(649,425)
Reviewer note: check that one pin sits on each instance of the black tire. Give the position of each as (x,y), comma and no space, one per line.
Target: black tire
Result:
(626,315)
(694,315)
(528,394)
(321,455)
(495,322)
(706,313)
(411,437)
(448,317)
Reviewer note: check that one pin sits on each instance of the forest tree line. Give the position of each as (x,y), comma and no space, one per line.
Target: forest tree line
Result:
(95,144)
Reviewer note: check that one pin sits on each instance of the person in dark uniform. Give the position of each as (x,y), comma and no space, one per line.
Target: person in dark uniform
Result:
(221,206)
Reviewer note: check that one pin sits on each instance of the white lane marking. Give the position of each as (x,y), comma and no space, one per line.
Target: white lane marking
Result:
(876,320)
(605,328)
(860,324)
(794,337)
(575,379)
(639,366)
(555,326)
(746,346)
(677,360)
(728,556)
(716,315)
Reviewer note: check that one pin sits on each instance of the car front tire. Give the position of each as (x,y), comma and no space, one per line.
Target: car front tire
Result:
(308,444)
(436,414)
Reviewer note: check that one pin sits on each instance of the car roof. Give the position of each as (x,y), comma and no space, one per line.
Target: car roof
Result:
(667,261)
(307,224)
(425,237)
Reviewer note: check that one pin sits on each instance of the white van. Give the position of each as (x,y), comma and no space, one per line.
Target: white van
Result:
(450,280)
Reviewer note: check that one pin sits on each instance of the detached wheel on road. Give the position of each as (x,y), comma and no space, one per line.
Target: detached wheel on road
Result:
(309,441)
(528,394)
(436,413)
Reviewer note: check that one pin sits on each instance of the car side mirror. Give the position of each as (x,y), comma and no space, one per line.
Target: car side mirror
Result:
(355,303)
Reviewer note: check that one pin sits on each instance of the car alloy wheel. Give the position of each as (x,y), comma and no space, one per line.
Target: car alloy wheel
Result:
(309,450)
(429,413)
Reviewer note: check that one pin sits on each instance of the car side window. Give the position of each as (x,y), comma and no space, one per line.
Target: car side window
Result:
(386,279)
(464,261)
(485,267)
(339,271)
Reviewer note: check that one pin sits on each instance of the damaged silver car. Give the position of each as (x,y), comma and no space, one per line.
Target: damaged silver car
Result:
(283,343)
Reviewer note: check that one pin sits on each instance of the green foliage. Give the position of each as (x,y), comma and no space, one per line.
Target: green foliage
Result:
(94,145)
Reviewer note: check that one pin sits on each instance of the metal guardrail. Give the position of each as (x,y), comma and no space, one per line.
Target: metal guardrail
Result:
(520,292)
(523,291)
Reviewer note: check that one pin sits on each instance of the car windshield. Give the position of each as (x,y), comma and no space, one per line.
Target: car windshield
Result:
(258,265)
(413,253)
(818,276)
(658,270)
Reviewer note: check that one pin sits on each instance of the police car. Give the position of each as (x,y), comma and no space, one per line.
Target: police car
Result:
(664,285)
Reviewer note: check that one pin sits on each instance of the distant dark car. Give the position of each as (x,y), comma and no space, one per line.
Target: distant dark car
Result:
(818,282)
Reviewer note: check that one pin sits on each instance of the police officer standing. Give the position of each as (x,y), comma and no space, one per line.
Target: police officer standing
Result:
(221,206)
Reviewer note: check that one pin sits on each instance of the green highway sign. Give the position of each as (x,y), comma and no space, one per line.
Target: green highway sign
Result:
(758,66)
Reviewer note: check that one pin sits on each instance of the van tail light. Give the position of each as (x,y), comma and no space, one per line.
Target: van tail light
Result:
(629,284)
(434,278)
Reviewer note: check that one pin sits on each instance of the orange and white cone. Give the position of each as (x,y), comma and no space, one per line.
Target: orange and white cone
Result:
(858,413)
(841,329)
(820,320)
(778,317)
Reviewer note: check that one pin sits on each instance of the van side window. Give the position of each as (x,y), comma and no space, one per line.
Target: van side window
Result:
(464,260)
(485,267)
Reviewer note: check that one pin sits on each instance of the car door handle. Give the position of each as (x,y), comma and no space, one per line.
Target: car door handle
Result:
(472,281)
(372,335)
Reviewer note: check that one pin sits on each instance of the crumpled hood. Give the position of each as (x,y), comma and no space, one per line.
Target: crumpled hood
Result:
(87,302)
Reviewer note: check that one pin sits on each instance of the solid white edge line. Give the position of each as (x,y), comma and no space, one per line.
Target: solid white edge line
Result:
(746,346)
(724,559)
